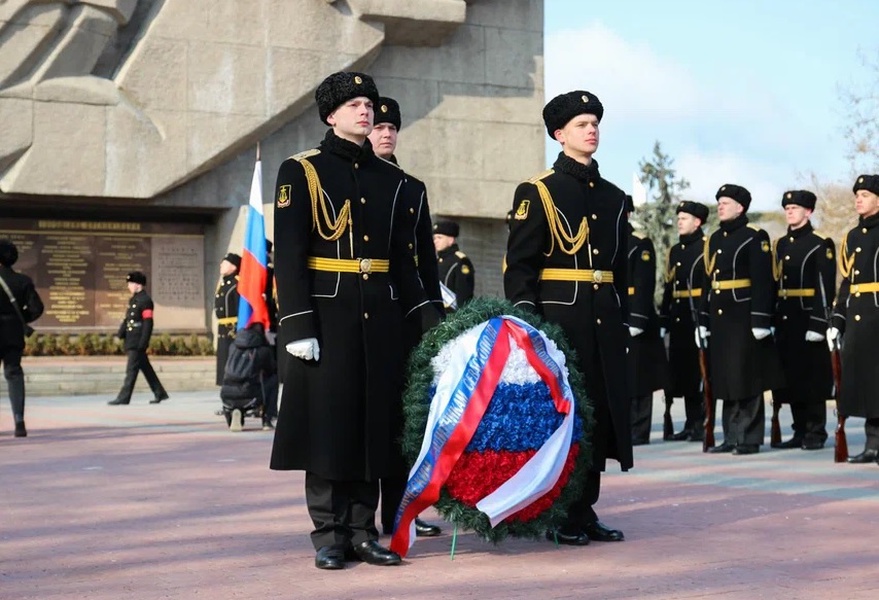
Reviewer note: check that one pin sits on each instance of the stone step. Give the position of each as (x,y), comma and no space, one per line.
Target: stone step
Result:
(75,375)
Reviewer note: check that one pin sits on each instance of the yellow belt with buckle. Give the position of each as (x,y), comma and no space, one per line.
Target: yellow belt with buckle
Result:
(730,284)
(349,265)
(796,293)
(687,293)
(590,275)
(228,321)
(864,287)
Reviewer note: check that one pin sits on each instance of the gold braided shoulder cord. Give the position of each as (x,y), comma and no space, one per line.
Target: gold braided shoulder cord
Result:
(845,262)
(776,263)
(708,259)
(557,229)
(669,269)
(337,227)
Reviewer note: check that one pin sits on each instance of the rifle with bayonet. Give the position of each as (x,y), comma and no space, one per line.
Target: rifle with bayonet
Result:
(707,395)
(840,453)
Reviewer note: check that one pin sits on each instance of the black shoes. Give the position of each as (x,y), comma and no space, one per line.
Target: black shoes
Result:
(267,424)
(569,536)
(724,447)
(425,529)
(118,402)
(746,449)
(794,442)
(681,436)
(867,456)
(373,553)
(812,445)
(20,430)
(600,532)
(159,398)
(330,558)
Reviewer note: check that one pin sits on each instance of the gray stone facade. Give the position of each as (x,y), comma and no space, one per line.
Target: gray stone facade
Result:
(152,109)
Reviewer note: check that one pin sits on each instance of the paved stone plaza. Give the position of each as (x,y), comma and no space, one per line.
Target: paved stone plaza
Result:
(147,502)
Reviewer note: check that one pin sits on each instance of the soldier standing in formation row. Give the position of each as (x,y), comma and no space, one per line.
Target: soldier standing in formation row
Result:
(455,268)
(226,310)
(856,316)
(566,261)
(135,331)
(684,280)
(736,311)
(383,138)
(648,366)
(346,279)
(804,265)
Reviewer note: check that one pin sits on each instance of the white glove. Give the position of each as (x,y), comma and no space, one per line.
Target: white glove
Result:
(832,336)
(814,336)
(701,336)
(663,332)
(760,332)
(635,331)
(306,349)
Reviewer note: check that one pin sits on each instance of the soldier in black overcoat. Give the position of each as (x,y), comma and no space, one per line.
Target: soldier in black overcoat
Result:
(805,270)
(566,261)
(678,316)
(386,126)
(135,331)
(856,316)
(346,280)
(736,312)
(20,304)
(648,365)
(456,270)
(226,310)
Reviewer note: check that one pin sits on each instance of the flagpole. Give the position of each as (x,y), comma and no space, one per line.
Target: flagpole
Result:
(257,152)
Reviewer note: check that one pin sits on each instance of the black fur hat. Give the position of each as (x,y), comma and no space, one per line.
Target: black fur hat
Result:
(803,198)
(449,228)
(136,277)
(233,258)
(736,192)
(340,87)
(387,111)
(8,253)
(697,209)
(867,182)
(565,107)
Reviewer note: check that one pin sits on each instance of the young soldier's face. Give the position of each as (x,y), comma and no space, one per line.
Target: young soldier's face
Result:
(728,209)
(687,223)
(441,242)
(227,268)
(866,203)
(133,288)
(796,215)
(579,135)
(384,139)
(353,118)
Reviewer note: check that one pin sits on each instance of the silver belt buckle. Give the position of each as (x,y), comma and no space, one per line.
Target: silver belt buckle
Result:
(366,265)
(597,276)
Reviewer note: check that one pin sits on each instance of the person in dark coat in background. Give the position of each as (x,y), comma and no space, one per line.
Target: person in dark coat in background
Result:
(648,365)
(736,312)
(346,280)
(566,260)
(678,317)
(20,304)
(856,317)
(456,270)
(226,309)
(805,271)
(383,138)
(135,331)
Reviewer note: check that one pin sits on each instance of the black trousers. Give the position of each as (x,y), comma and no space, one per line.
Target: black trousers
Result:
(12,371)
(744,421)
(392,489)
(810,421)
(581,513)
(871,428)
(694,407)
(642,418)
(139,361)
(343,512)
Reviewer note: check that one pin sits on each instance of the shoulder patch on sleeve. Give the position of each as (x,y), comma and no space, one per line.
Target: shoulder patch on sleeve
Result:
(284,196)
(522,212)
(764,246)
(645,255)
(465,269)
(542,175)
(829,253)
(306,154)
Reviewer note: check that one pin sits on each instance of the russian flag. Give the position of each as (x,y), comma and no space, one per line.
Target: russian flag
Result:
(253,272)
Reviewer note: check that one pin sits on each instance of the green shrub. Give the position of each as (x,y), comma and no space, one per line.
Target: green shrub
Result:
(105,344)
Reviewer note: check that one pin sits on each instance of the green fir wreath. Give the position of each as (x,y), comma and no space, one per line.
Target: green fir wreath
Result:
(416,405)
